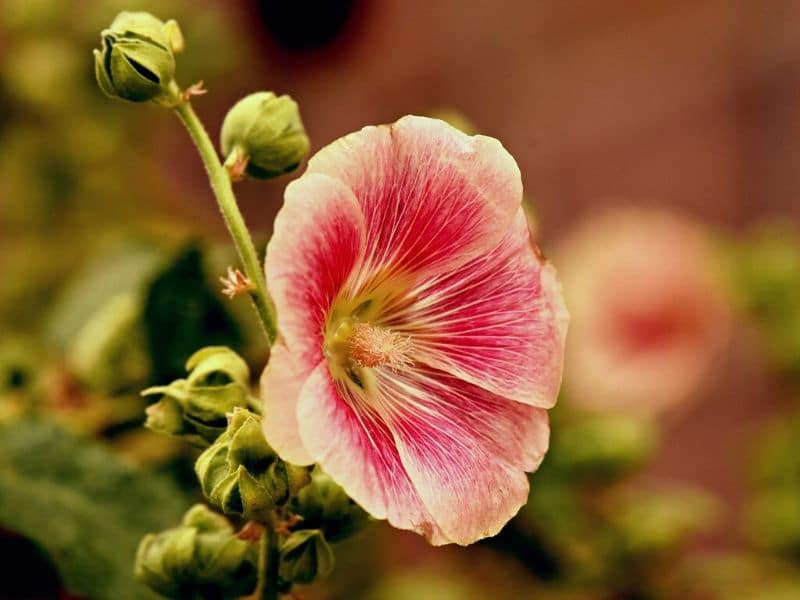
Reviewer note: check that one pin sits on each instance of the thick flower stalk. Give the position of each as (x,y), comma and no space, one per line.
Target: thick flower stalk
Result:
(422,332)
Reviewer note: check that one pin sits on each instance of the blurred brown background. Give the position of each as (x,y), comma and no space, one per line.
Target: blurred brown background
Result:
(678,103)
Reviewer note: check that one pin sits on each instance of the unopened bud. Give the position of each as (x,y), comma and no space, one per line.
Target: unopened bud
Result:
(305,555)
(136,61)
(263,136)
(240,474)
(202,557)
(196,408)
(324,505)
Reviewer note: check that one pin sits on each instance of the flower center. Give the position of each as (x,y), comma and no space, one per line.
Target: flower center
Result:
(361,344)
(371,346)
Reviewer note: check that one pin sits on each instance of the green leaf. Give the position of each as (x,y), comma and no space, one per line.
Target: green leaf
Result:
(83,506)
(125,270)
(96,324)
(182,314)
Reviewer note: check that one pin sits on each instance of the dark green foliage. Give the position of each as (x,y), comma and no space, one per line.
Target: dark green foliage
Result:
(85,508)
(181,315)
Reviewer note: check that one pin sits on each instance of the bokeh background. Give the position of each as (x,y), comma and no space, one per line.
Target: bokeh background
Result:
(659,144)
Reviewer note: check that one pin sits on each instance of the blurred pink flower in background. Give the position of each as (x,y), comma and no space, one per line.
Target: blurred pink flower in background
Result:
(422,335)
(649,311)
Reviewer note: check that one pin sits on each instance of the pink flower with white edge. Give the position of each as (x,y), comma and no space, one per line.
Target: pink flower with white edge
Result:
(649,312)
(422,335)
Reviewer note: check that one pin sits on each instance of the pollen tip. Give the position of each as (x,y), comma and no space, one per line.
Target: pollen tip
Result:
(372,346)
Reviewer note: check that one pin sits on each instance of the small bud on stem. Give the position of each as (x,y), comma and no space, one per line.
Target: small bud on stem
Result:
(305,555)
(262,136)
(136,61)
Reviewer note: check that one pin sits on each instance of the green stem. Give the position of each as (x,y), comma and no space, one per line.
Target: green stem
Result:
(268,565)
(223,190)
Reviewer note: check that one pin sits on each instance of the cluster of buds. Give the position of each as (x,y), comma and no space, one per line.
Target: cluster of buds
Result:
(196,408)
(242,475)
(323,513)
(262,135)
(202,557)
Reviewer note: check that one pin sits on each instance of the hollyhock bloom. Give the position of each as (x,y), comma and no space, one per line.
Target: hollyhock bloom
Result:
(649,313)
(422,334)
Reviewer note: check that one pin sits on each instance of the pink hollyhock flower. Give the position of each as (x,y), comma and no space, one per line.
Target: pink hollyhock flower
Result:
(422,335)
(649,314)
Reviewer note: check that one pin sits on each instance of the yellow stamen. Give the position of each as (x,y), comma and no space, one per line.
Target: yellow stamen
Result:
(371,346)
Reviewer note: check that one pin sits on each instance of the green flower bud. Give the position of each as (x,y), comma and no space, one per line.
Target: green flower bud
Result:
(305,555)
(196,408)
(240,474)
(263,136)
(324,505)
(202,557)
(136,61)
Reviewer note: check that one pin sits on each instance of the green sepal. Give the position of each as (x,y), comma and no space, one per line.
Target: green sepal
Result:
(196,408)
(143,24)
(217,364)
(305,555)
(298,477)
(324,505)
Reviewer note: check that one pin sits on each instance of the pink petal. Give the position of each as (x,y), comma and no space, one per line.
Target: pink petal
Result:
(355,447)
(281,383)
(498,321)
(432,197)
(465,449)
(318,240)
